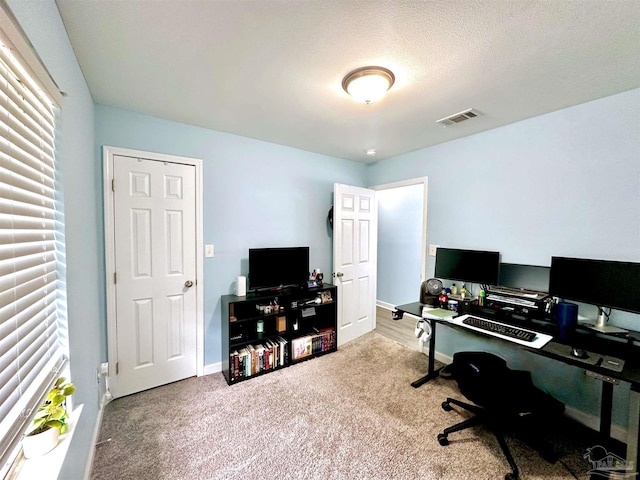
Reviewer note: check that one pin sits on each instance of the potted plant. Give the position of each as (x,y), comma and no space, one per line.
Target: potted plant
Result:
(50,421)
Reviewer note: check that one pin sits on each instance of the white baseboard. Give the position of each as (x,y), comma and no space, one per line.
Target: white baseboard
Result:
(212,368)
(446,359)
(106,398)
(385,305)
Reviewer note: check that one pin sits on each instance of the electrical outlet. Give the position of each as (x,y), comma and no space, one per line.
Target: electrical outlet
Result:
(102,371)
(433,250)
(208,250)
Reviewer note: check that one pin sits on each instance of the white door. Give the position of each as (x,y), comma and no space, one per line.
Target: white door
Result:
(355,234)
(155,260)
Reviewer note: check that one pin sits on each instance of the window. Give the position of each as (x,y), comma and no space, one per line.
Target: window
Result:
(32,325)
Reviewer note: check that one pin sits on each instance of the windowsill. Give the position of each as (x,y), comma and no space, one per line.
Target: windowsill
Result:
(48,466)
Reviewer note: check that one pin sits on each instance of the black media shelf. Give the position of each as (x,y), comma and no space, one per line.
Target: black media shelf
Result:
(267,331)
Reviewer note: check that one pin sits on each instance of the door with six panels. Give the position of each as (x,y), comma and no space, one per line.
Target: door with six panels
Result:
(155,245)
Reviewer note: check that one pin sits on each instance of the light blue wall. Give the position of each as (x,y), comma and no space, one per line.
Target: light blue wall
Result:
(565,183)
(82,213)
(399,243)
(256,194)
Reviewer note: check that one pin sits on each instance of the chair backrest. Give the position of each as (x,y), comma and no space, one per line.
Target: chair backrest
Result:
(485,379)
(481,376)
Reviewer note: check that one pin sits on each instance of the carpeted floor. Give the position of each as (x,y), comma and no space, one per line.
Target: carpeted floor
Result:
(348,415)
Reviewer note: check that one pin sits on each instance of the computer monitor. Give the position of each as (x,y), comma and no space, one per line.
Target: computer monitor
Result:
(604,283)
(524,277)
(473,266)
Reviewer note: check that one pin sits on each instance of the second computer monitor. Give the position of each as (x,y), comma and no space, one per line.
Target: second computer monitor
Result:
(473,266)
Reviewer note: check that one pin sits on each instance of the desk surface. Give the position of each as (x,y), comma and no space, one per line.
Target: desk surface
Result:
(593,342)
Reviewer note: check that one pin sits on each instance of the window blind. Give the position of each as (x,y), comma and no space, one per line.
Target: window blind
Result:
(32,333)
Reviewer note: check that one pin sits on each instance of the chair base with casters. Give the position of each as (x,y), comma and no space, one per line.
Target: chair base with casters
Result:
(443,438)
(503,398)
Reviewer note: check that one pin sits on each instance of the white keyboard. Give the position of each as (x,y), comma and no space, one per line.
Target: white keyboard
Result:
(540,340)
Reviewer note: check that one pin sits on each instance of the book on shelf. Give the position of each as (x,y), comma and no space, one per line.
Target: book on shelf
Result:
(319,342)
(251,368)
(257,358)
(268,351)
(283,351)
(301,347)
(233,358)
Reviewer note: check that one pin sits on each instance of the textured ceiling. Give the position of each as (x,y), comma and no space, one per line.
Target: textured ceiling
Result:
(272,69)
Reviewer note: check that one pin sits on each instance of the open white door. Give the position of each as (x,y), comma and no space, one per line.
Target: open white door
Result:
(355,237)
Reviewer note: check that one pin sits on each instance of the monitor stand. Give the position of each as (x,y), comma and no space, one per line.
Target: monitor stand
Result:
(602,327)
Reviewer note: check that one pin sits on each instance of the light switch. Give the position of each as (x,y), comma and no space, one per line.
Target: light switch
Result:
(432,250)
(208,250)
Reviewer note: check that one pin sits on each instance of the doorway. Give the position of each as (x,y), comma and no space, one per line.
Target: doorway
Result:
(402,253)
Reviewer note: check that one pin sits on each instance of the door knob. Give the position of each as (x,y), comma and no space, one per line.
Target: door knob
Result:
(339,274)
(188,284)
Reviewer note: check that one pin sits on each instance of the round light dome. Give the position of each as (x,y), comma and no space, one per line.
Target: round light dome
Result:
(368,84)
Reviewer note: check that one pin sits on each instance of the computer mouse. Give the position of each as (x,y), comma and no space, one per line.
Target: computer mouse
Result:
(579,353)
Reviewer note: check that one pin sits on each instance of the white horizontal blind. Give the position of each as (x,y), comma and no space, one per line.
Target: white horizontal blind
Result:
(31,353)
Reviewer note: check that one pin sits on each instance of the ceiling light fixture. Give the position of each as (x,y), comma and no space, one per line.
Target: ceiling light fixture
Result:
(368,84)
(371,152)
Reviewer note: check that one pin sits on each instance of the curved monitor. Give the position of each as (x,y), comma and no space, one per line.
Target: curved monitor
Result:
(604,283)
(473,266)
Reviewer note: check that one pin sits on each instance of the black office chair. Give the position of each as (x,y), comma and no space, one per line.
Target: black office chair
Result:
(504,400)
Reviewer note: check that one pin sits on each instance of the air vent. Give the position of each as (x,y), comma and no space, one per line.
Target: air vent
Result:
(458,117)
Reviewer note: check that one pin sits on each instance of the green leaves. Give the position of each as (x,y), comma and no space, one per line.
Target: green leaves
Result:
(39,423)
(52,413)
(54,424)
(69,389)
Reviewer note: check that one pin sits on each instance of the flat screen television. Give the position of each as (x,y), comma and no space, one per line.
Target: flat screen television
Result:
(473,266)
(604,283)
(274,268)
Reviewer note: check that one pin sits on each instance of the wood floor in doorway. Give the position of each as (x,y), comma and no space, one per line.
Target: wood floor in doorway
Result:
(401,331)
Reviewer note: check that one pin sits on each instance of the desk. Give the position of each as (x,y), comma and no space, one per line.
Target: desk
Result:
(621,347)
